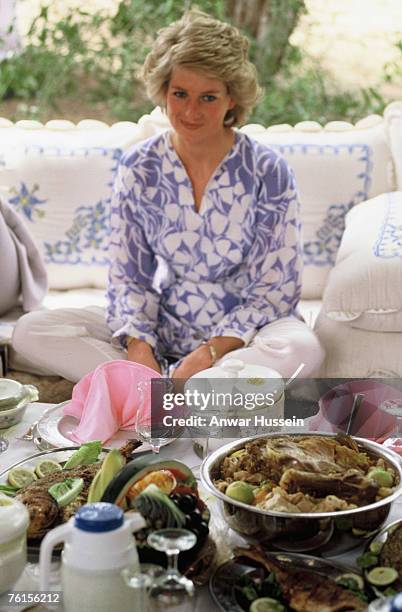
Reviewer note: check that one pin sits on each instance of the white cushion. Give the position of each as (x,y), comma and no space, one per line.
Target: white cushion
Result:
(357,353)
(365,286)
(336,167)
(60,177)
(393,117)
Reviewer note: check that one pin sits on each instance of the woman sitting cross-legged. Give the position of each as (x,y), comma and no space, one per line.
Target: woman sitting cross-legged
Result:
(205,249)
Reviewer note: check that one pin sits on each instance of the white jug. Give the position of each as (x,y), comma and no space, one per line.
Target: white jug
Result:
(14,520)
(98,545)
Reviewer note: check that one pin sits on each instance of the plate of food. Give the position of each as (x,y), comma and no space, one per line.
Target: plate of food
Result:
(382,561)
(54,484)
(303,492)
(55,430)
(259,581)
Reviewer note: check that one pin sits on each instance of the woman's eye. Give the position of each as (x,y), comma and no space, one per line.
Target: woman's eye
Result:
(179,94)
(209,98)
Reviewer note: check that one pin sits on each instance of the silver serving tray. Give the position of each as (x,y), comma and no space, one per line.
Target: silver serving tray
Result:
(222,581)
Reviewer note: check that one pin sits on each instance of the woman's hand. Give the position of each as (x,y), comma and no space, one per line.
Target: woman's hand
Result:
(141,352)
(201,358)
(194,362)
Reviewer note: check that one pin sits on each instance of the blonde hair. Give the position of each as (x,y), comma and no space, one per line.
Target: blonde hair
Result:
(202,43)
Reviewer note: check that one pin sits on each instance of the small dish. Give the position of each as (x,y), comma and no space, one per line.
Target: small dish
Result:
(12,413)
(372,558)
(223,582)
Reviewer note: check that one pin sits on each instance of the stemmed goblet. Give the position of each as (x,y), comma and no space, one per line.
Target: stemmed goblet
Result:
(143,418)
(171,589)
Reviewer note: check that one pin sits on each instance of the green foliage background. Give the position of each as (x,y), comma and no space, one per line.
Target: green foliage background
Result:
(95,57)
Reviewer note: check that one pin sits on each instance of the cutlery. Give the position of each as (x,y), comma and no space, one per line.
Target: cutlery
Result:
(357,400)
(29,434)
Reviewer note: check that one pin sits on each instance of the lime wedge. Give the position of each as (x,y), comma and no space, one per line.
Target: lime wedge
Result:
(20,477)
(382,576)
(66,491)
(47,466)
(267,604)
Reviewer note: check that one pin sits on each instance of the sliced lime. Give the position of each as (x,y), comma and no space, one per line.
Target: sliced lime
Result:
(382,576)
(240,491)
(351,581)
(266,604)
(66,491)
(20,477)
(47,466)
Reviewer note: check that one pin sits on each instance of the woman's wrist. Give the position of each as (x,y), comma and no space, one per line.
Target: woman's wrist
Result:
(218,346)
(132,342)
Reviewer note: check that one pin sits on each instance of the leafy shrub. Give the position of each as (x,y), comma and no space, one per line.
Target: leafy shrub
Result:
(96,56)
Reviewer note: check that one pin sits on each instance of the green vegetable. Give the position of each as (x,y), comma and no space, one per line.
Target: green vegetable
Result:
(86,454)
(390,592)
(7,490)
(65,492)
(157,506)
(382,477)
(111,465)
(367,559)
(241,491)
(375,547)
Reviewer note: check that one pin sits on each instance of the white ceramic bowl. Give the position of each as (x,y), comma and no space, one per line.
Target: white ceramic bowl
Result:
(18,398)
(11,417)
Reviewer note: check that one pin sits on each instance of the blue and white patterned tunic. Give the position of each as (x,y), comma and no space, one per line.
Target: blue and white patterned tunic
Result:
(179,276)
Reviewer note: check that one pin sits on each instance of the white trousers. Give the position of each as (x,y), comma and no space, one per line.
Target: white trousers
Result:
(70,342)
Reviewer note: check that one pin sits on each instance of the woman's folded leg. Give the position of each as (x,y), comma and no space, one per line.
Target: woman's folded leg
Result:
(68,342)
(283,346)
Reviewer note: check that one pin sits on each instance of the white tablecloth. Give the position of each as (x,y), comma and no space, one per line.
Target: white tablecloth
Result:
(181,450)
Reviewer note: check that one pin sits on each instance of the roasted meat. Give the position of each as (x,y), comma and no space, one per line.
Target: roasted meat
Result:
(305,590)
(351,485)
(44,512)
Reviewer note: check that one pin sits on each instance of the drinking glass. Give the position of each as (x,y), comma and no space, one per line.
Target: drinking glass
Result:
(394,408)
(172,589)
(143,418)
(141,582)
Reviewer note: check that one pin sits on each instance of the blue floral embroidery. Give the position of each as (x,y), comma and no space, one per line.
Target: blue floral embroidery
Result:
(89,230)
(322,251)
(26,202)
(389,242)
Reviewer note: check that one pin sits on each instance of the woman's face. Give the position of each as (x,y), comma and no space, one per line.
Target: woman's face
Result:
(196,105)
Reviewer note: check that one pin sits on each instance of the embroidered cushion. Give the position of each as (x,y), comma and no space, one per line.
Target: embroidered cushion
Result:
(59,177)
(393,116)
(336,167)
(365,286)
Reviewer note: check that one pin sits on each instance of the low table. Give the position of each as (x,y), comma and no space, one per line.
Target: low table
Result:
(182,450)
